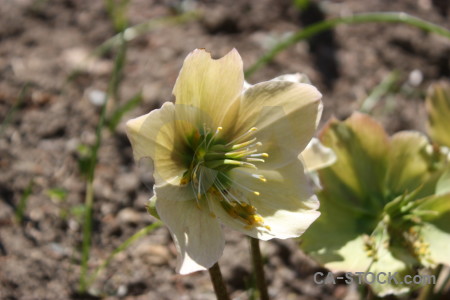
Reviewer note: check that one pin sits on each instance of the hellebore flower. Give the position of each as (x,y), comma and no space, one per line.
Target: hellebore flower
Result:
(385,204)
(225,154)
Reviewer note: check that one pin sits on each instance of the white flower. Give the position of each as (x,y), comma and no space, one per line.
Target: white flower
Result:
(228,155)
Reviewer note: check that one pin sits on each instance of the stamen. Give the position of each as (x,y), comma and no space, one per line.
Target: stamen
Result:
(244,144)
(239,138)
(221,187)
(242,186)
(255,159)
(214,135)
(260,177)
(239,163)
(265,155)
(241,153)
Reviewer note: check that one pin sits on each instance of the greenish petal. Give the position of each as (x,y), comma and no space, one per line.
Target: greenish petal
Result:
(388,261)
(336,238)
(410,164)
(151,207)
(438,108)
(443,184)
(360,145)
(436,235)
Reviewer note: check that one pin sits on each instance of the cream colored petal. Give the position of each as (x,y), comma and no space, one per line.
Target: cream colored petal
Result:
(296,77)
(154,136)
(317,156)
(196,233)
(285,201)
(174,192)
(212,85)
(285,113)
(161,136)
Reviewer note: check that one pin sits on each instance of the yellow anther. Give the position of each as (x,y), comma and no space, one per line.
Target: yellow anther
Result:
(258,219)
(256,193)
(266,155)
(249,209)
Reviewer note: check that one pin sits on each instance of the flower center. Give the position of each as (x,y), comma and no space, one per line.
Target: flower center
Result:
(211,158)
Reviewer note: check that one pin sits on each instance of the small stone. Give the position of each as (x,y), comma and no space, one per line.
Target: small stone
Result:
(96,97)
(129,216)
(122,290)
(415,77)
(127,182)
(153,254)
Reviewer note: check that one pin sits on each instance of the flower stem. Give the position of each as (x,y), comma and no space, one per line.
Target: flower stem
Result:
(219,286)
(427,291)
(258,269)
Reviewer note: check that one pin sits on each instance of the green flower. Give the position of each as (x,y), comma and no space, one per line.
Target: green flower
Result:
(225,154)
(385,203)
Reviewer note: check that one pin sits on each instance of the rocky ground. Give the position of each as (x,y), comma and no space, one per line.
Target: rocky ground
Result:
(47,111)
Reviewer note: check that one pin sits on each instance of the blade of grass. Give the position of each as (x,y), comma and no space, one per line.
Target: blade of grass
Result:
(384,17)
(385,86)
(116,78)
(117,115)
(141,233)
(135,31)
(12,111)
(89,199)
(20,211)
(117,10)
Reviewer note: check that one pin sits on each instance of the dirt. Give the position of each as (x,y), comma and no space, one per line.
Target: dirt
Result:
(50,114)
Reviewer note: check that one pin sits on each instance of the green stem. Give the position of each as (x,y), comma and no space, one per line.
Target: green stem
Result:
(427,291)
(141,233)
(219,286)
(259,269)
(386,17)
(89,199)
(87,232)
(444,284)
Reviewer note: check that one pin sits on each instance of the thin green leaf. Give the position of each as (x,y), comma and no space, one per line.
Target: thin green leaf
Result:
(385,17)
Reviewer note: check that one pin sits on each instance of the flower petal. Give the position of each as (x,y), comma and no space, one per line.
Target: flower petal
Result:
(317,156)
(285,201)
(296,77)
(410,165)
(211,85)
(438,108)
(161,135)
(361,146)
(435,212)
(153,136)
(285,113)
(196,233)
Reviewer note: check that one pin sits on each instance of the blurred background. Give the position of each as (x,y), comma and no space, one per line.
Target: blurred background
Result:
(63,61)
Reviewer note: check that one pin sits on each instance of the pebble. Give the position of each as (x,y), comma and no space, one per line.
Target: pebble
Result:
(129,216)
(127,182)
(153,254)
